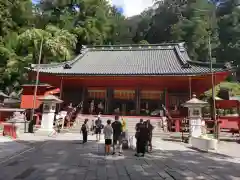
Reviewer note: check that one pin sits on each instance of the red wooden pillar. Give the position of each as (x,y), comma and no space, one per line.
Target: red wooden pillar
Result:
(166,98)
(37,116)
(190,87)
(177,125)
(137,100)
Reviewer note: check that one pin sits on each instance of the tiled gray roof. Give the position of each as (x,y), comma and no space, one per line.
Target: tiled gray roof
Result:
(168,59)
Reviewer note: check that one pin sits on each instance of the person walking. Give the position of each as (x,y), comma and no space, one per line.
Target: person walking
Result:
(142,138)
(150,128)
(93,127)
(84,130)
(108,132)
(98,128)
(117,135)
(92,107)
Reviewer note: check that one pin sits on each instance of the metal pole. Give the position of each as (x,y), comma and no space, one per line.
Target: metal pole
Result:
(37,81)
(212,75)
(60,94)
(190,87)
(61,88)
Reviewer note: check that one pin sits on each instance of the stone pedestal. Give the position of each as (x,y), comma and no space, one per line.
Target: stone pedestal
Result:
(203,144)
(49,108)
(46,128)
(195,106)
(196,126)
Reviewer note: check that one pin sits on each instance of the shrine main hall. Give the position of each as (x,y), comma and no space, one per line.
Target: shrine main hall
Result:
(132,78)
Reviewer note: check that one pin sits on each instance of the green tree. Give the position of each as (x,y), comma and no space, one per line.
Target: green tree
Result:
(195,27)
(58,44)
(92,21)
(229,34)
(181,20)
(15,17)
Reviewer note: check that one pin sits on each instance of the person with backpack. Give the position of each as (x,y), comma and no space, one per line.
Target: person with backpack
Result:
(98,128)
(84,130)
(117,135)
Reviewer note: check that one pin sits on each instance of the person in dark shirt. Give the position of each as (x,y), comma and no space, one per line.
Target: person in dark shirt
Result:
(137,130)
(142,138)
(84,130)
(117,135)
(150,128)
(138,124)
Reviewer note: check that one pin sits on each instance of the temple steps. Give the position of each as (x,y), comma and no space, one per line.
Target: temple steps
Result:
(131,123)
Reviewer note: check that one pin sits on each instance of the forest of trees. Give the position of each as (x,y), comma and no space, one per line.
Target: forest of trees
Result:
(64,27)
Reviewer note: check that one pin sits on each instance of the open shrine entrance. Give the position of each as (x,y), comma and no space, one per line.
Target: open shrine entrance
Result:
(124,101)
(150,100)
(96,100)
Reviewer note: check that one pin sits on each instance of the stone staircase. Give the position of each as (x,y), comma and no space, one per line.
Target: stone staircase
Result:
(131,123)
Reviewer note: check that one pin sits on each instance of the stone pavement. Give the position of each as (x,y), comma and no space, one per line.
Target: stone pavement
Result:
(64,158)
(9,147)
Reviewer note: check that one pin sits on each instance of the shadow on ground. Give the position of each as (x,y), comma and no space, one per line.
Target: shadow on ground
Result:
(226,137)
(70,160)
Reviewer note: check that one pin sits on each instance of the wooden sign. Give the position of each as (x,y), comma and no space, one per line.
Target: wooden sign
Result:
(124,94)
(97,94)
(151,95)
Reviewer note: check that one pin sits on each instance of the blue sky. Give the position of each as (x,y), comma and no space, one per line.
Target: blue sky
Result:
(35,1)
(129,7)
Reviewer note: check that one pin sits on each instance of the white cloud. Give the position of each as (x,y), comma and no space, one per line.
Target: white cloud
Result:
(132,7)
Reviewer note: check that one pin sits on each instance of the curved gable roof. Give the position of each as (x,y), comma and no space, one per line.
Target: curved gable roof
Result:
(165,59)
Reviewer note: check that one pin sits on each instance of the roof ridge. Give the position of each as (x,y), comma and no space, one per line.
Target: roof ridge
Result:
(131,45)
(131,48)
(220,65)
(182,60)
(60,64)
(82,53)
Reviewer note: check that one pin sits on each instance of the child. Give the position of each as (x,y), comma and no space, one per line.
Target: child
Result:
(108,132)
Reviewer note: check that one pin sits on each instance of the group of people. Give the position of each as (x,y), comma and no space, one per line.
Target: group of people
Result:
(96,109)
(144,137)
(115,133)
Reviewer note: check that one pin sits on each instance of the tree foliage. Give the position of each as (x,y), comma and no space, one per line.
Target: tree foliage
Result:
(64,26)
(194,21)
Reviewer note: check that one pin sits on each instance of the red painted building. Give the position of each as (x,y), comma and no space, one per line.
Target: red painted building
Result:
(132,78)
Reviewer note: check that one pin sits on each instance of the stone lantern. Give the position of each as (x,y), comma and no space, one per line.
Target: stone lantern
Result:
(49,108)
(195,106)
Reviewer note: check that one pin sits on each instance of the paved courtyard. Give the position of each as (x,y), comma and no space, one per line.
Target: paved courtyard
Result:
(64,158)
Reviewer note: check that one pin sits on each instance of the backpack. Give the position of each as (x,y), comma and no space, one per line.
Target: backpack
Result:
(84,128)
